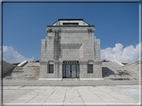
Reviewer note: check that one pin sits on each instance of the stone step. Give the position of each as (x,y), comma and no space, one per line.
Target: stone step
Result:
(70,83)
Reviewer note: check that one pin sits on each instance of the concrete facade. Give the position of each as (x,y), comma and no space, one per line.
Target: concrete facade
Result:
(70,41)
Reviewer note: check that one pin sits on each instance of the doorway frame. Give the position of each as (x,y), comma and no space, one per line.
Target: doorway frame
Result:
(70,63)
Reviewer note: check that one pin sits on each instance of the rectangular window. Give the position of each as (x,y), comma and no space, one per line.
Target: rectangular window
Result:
(70,23)
(51,68)
(90,68)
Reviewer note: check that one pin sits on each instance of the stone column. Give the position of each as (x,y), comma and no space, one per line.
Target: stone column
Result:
(60,70)
(98,69)
(82,69)
(43,69)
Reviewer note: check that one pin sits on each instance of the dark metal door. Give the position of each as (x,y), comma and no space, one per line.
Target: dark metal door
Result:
(70,69)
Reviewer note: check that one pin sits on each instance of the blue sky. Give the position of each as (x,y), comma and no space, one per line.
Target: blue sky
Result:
(24,24)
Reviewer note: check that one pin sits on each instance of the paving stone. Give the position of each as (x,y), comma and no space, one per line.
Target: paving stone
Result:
(88,97)
(20,100)
(104,96)
(72,96)
(79,95)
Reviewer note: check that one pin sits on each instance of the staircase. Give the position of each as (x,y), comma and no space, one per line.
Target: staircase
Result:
(114,71)
(28,72)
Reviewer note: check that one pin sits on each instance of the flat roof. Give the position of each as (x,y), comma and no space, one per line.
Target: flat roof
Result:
(71,26)
(70,19)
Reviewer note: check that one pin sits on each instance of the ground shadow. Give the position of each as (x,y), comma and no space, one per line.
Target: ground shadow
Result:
(107,71)
(9,73)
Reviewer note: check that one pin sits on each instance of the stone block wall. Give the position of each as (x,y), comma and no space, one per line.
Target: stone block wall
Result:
(70,44)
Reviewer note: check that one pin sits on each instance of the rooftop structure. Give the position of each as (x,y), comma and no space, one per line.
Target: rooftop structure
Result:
(70,50)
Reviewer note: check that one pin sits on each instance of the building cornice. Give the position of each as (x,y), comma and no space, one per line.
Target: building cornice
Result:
(71,26)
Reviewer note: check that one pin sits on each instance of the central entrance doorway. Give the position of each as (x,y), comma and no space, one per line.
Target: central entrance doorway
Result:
(70,69)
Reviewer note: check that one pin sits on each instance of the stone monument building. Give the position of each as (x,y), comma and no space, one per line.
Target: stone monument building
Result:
(70,50)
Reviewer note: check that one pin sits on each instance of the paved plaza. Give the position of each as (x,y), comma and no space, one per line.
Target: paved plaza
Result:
(71,95)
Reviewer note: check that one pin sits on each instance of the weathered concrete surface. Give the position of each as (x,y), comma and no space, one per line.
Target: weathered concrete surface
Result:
(28,72)
(112,70)
(83,95)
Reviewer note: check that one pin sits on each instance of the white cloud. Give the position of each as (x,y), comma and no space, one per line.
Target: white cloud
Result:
(12,56)
(128,54)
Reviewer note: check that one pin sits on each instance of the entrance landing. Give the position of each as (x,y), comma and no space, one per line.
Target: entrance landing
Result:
(70,82)
(71,79)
